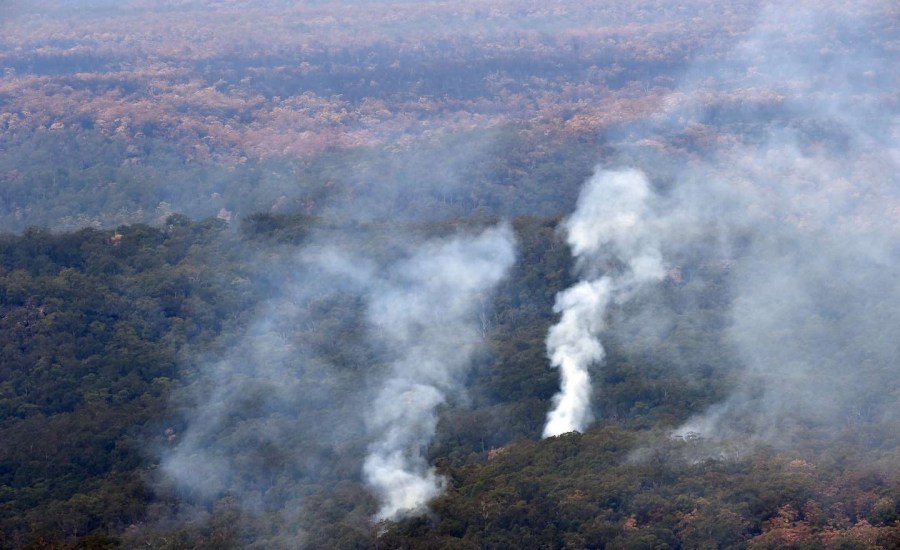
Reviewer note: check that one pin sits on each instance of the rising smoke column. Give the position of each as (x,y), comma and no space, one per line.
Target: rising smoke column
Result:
(612,223)
(424,310)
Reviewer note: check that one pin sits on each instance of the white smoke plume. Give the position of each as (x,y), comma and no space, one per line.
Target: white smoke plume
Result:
(424,312)
(612,223)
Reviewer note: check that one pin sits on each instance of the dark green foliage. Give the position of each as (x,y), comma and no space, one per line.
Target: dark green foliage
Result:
(90,326)
(98,329)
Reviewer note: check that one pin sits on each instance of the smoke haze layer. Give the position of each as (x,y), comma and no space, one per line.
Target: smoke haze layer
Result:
(813,322)
(803,209)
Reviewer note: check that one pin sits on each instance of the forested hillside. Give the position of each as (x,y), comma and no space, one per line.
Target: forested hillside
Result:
(333,274)
(102,329)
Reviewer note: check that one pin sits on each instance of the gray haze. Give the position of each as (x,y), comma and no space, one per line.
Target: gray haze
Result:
(265,416)
(805,216)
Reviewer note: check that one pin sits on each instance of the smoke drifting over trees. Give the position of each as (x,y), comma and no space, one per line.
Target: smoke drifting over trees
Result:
(811,241)
(420,319)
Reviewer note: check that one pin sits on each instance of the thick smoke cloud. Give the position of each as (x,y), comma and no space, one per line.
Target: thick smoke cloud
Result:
(609,225)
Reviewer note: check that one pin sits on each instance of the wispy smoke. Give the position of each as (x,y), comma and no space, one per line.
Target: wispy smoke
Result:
(424,311)
(813,320)
(277,406)
(247,413)
(807,206)
(610,226)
